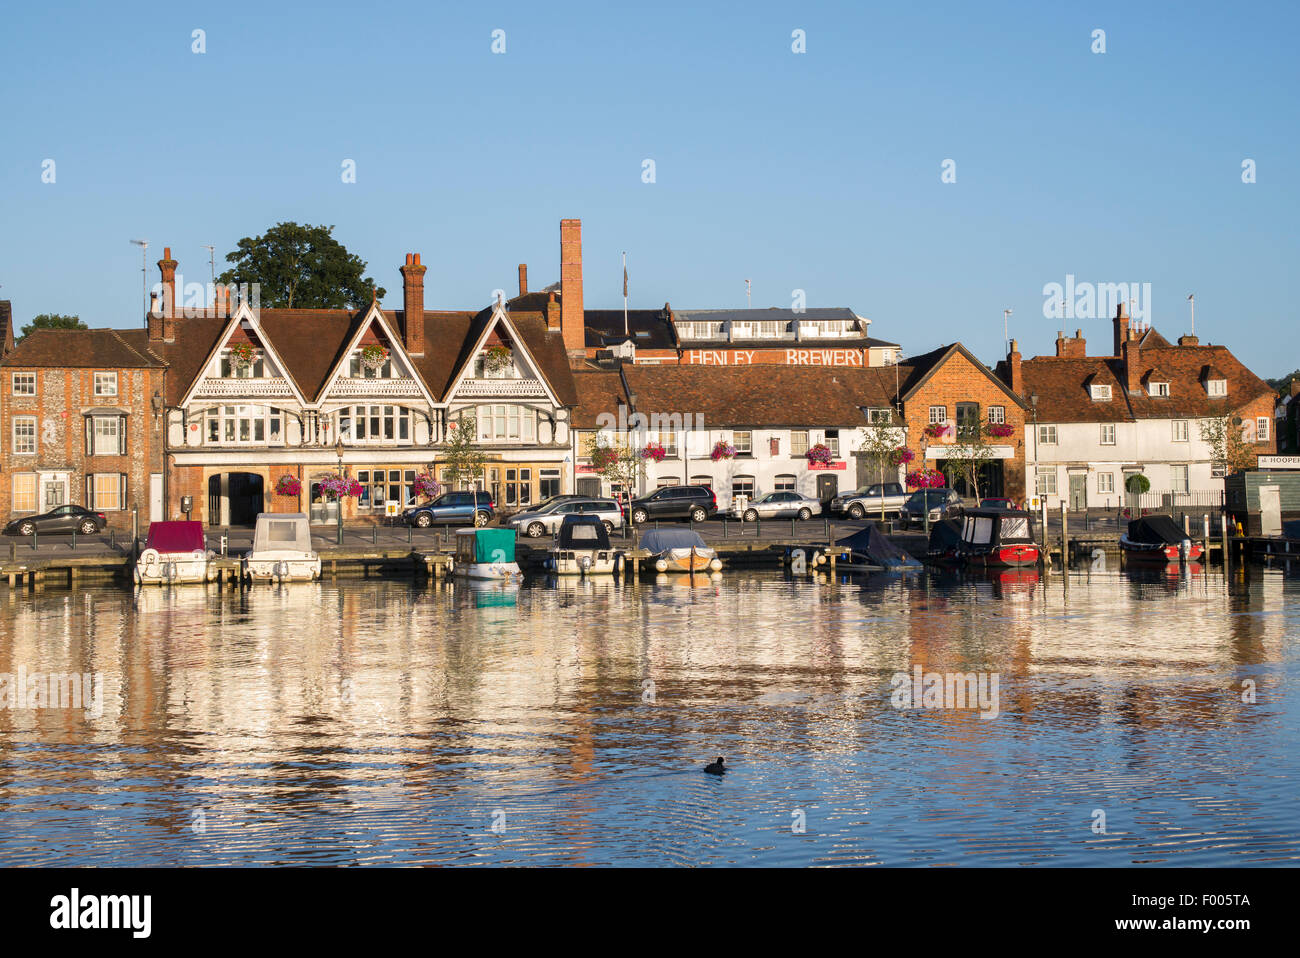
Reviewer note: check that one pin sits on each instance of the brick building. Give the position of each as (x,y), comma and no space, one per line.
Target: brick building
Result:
(80,423)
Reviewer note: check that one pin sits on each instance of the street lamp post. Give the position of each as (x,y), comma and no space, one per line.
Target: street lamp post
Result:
(338,499)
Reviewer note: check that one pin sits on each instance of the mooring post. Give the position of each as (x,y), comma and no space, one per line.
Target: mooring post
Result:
(1065,525)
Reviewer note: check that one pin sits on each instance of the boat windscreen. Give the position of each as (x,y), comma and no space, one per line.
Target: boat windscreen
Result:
(583,532)
(980,531)
(1016,529)
(280,533)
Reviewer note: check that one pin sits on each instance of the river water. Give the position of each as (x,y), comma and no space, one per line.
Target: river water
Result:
(1147,719)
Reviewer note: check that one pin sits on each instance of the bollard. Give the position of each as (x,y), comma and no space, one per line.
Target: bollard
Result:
(34,537)
(1187,527)
(792,532)
(112,539)
(74,538)
(724,527)
(410,535)
(374,535)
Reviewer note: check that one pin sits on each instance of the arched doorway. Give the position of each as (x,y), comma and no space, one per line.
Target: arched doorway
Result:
(235,499)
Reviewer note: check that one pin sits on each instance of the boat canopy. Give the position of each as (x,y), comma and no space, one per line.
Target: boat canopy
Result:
(878,548)
(982,527)
(172,537)
(281,532)
(658,541)
(492,545)
(1156,529)
(583,532)
(944,535)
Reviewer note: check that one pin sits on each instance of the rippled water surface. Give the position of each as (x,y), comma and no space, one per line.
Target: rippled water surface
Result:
(366,722)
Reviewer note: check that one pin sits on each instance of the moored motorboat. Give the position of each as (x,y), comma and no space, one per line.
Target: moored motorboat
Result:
(679,550)
(486,554)
(997,538)
(174,553)
(582,548)
(281,550)
(944,547)
(1158,539)
(871,550)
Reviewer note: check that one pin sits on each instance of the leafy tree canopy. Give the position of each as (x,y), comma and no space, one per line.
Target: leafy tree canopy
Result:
(53,321)
(1283,383)
(301,267)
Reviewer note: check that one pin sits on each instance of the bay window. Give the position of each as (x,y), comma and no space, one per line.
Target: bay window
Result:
(374,423)
(243,425)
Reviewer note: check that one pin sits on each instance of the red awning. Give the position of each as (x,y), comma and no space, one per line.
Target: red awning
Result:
(176,537)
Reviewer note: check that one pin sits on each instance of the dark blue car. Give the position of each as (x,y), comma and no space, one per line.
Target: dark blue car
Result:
(461,508)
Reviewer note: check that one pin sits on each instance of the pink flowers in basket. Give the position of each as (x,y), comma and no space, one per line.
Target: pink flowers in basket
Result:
(425,486)
(339,487)
(288,486)
(1001,430)
(722,450)
(654,450)
(820,453)
(902,456)
(926,479)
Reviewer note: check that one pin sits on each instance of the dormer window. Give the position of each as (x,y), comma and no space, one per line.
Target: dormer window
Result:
(1216,387)
(370,362)
(1155,388)
(496,362)
(1101,392)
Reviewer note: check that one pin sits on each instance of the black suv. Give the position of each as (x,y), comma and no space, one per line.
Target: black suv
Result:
(696,503)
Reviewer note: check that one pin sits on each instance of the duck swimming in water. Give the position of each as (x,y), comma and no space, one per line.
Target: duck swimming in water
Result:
(716,767)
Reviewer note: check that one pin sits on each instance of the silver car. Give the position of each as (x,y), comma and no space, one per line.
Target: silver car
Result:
(547,519)
(782,505)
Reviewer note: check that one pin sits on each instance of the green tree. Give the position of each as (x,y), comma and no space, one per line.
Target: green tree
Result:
(617,462)
(301,267)
(969,455)
(882,444)
(53,321)
(462,456)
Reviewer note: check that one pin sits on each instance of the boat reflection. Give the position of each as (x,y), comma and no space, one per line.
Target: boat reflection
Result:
(490,593)
(681,580)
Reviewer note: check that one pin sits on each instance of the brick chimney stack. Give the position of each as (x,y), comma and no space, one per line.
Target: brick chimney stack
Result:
(1014,369)
(1071,348)
(552,312)
(572,323)
(413,304)
(523,279)
(1188,340)
(221,300)
(1121,327)
(167,267)
(1132,362)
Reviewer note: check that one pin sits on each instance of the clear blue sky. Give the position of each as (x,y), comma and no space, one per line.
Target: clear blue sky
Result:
(818,171)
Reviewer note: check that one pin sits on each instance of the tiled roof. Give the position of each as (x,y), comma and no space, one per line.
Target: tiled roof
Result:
(648,328)
(1063,394)
(84,348)
(759,315)
(598,392)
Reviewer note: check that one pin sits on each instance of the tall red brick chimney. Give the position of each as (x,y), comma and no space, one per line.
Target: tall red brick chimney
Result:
(1132,362)
(413,304)
(1014,369)
(1121,327)
(523,279)
(167,267)
(571,312)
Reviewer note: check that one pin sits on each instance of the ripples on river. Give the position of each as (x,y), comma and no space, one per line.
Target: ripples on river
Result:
(364,722)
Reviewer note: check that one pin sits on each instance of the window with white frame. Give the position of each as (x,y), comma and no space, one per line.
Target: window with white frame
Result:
(507,423)
(1179,430)
(243,425)
(24,384)
(106,491)
(1262,429)
(880,416)
(668,439)
(1157,388)
(997,415)
(374,423)
(1045,481)
(1108,434)
(24,435)
(1217,387)
(663,481)
(1105,482)
(1218,470)
(1047,435)
(783,484)
(938,414)
(743,440)
(106,435)
(105,384)
(742,486)
(833,442)
(24,492)
(799,442)
(359,370)
(233,370)
(1101,392)
(1178,478)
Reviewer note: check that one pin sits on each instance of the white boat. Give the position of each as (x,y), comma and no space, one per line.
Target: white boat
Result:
(582,548)
(485,554)
(174,553)
(680,550)
(282,550)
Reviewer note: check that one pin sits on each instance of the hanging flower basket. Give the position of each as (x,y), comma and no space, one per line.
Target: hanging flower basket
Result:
(654,451)
(340,487)
(602,457)
(374,356)
(242,355)
(902,456)
(497,359)
(288,486)
(926,479)
(820,453)
(722,450)
(1001,430)
(425,486)
(937,430)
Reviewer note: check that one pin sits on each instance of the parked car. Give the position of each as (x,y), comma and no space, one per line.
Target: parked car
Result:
(61,519)
(782,505)
(546,520)
(696,503)
(997,502)
(452,507)
(869,500)
(941,504)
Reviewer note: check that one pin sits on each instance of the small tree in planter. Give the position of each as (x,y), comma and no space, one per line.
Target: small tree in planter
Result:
(616,463)
(463,456)
(1136,486)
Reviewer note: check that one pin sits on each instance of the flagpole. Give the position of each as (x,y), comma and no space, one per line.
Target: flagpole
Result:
(625,332)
